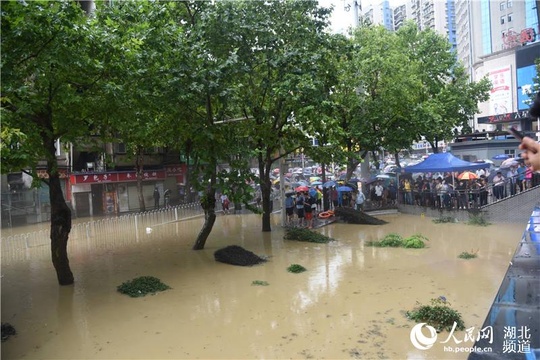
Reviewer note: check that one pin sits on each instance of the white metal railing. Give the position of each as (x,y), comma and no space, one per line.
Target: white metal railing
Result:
(126,229)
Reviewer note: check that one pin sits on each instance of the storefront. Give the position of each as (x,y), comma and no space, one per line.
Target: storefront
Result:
(113,192)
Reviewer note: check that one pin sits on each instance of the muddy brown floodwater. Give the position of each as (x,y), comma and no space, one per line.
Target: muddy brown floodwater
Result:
(349,303)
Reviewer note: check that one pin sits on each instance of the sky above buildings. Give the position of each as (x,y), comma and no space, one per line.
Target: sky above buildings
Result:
(341,19)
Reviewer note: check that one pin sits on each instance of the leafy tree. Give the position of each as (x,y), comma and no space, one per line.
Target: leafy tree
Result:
(326,129)
(49,78)
(212,71)
(447,100)
(372,95)
(278,46)
(396,87)
(142,36)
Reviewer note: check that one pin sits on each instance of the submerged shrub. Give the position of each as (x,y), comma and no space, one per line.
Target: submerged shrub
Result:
(7,331)
(260,283)
(295,268)
(142,286)
(439,315)
(395,240)
(444,219)
(468,255)
(478,220)
(390,240)
(415,241)
(237,255)
(300,234)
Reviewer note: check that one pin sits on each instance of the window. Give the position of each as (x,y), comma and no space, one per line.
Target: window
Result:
(502,20)
(121,148)
(509,17)
(503,5)
(509,4)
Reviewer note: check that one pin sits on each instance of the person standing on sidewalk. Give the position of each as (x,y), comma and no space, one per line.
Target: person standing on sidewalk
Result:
(225,202)
(360,199)
(289,208)
(156,197)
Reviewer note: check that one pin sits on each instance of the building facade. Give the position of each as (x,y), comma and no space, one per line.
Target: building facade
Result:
(93,189)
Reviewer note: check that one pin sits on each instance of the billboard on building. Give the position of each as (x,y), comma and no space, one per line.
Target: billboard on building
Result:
(525,74)
(500,99)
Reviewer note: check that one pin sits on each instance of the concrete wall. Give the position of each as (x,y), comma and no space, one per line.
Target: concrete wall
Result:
(515,209)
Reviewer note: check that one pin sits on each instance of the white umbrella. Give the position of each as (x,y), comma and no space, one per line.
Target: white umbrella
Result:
(509,163)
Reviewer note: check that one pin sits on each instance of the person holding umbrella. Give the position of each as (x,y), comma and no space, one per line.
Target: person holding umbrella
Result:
(512,175)
(289,207)
(498,186)
(309,210)
(300,208)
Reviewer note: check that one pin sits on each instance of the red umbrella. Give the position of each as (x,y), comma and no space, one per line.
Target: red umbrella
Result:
(301,189)
(467,175)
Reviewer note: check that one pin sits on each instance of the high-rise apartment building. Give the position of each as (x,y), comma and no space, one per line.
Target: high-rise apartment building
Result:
(400,15)
(486,27)
(380,13)
(499,39)
(438,15)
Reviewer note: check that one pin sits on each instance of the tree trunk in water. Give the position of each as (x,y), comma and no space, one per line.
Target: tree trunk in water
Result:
(326,197)
(139,161)
(266,191)
(60,229)
(208,203)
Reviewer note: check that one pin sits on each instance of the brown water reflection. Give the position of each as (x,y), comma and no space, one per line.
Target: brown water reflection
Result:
(349,304)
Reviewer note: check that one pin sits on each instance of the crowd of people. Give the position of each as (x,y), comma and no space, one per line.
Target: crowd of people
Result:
(449,191)
(303,208)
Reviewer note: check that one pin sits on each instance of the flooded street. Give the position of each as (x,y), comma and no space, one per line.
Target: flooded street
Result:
(349,304)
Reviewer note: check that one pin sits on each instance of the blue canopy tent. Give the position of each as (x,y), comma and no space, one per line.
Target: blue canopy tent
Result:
(444,162)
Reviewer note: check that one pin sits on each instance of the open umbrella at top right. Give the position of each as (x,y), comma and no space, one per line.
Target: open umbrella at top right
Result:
(467,175)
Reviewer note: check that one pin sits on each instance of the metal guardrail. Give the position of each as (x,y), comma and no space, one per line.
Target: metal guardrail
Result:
(127,228)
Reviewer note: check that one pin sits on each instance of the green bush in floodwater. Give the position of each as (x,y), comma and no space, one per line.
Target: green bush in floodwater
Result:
(295,268)
(390,240)
(142,286)
(415,242)
(478,220)
(439,315)
(301,234)
(260,283)
(444,219)
(395,240)
(468,255)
